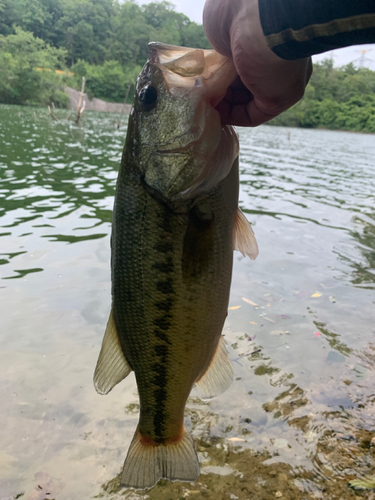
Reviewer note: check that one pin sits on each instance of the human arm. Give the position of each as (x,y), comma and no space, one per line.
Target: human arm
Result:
(270,42)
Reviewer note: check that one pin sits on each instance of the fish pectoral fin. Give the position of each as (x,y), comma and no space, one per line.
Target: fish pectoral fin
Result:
(244,237)
(112,366)
(219,375)
(147,462)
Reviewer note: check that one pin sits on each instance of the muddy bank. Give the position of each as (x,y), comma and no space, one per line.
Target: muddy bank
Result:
(95,104)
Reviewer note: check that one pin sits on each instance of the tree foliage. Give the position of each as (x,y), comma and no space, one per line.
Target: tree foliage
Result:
(342,99)
(28,67)
(108,81)
(103,40)
(101,30)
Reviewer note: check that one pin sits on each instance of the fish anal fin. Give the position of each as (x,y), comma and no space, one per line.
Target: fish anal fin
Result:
(244,237)
(219,375)
(112,366)
(147,462)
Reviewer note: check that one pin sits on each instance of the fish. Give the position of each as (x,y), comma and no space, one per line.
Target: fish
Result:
(175,225)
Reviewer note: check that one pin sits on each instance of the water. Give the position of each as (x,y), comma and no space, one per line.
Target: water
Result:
(298,420)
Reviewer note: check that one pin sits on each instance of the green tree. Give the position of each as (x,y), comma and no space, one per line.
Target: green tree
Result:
(340,98)
(109,81)
(28,70)
(193,35)
(85,29)
(131,35)
(31,15)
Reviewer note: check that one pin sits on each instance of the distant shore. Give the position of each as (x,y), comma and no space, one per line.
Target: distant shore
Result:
(96,104)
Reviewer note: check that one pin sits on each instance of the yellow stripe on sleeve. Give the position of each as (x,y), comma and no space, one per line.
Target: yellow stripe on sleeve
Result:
(331,28)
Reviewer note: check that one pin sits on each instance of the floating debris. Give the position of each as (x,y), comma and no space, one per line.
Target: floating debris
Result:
(249,302)
(332,299)
(233,308)
(316,294)
(269,319)
(365,484)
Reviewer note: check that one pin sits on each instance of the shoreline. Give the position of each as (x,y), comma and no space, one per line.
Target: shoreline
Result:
(96,104)
(321,128)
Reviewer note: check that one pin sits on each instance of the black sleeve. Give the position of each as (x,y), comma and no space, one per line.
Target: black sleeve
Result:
(301,28)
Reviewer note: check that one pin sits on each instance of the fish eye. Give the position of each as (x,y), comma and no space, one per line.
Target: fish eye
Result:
(148,97)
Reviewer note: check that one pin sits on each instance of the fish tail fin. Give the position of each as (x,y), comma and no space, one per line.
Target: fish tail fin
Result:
(147,461)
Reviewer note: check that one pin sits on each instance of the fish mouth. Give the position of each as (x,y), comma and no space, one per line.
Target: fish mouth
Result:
(186,68)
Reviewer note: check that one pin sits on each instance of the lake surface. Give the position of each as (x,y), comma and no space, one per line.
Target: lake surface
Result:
(299,419)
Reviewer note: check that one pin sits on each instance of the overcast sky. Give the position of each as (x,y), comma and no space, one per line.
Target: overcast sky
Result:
(194,8)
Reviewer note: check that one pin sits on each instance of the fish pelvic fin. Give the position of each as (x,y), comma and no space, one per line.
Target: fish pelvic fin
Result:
(147,461)
(112,366)
(219,375)
(244,237)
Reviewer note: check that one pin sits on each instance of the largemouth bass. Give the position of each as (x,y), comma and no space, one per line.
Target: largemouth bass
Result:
(175,224)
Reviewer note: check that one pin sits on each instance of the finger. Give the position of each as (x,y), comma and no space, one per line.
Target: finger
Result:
(243,116)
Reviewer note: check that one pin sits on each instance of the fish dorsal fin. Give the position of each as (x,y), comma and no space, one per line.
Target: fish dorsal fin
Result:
(219,375)
(244,237)
(112,366)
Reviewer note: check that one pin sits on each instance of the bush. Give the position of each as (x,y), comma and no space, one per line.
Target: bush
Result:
(28,70)
(336,99)
(109,81)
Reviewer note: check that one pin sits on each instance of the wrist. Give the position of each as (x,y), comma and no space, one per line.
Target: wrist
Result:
(249,46)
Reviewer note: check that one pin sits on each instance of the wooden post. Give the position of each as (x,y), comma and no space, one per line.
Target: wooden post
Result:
(80,107)
(123,106)
(51,114)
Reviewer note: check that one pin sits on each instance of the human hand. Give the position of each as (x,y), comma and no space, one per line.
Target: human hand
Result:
(267,85)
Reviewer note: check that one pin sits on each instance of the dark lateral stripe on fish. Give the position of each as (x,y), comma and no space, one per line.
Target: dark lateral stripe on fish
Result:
(165,305)
(165,286)
(162,336)
(163,322)
(160,392)
(164,246)
(164,267)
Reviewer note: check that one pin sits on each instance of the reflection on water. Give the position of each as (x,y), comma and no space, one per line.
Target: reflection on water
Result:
(299,420)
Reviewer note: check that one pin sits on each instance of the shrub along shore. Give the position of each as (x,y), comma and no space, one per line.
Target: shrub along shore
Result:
(336,99)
